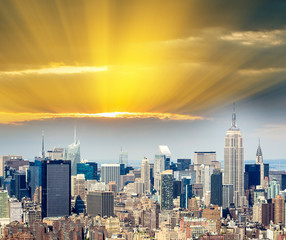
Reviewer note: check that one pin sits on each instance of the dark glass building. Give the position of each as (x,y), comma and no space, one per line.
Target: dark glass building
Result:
(177,188)
(183,164)
(253,172)
(56,188)
(216,188)
(21,189)
(88,169)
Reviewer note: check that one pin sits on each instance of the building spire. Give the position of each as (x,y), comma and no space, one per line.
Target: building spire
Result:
(74,133)
(43,144)
(259,151)
(233,126)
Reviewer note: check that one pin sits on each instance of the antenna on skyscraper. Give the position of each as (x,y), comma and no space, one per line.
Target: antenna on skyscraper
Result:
(234,117)
(74,132)
(43,144)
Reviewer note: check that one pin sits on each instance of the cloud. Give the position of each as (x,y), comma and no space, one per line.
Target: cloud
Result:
(257,38)
(60,70)
(18,118)
(261,71)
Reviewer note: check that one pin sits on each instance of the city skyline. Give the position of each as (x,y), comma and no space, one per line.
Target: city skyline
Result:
(59,133)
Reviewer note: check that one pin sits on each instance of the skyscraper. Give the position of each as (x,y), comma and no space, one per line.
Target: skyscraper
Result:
(216,188)
(273,189)
(123,158)
(110,173)
(145,174)
(166,190)
(227,195)
(100,203)
(56,188)
(159,166)
(72,153)
(259,160)
(164,150)
(20,185)
(234,161)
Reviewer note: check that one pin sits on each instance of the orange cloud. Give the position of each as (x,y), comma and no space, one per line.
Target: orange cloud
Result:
(18,118)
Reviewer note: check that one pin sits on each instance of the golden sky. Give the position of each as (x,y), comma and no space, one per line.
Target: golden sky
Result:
(146,59)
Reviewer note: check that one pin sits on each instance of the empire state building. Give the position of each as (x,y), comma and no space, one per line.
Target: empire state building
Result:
(234,161)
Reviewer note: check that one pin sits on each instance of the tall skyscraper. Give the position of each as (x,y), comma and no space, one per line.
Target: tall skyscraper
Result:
(20,185)
(145,175)
(35,181)
(72,153)
(159,166)
(216,188)
(110,173)
(123,158)
(234,161)
(164,150)
(259,160)
(166,190)
(100,203)
(56,188)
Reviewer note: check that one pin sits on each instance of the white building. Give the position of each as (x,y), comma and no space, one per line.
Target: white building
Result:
(111,173)
(93,185)
(145,175)
(227,195)
(15,210)
(234,161)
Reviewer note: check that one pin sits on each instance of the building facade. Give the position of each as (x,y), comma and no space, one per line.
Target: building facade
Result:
(234,161)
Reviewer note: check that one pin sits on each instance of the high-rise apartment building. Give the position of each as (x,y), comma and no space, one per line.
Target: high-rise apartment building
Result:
(166,190)
(110,173)
(234,161)
(279,212)
(100,203)
(56,188)
(145,175)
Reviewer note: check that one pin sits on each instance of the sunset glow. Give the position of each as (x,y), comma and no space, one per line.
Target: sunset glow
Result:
(19,118)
